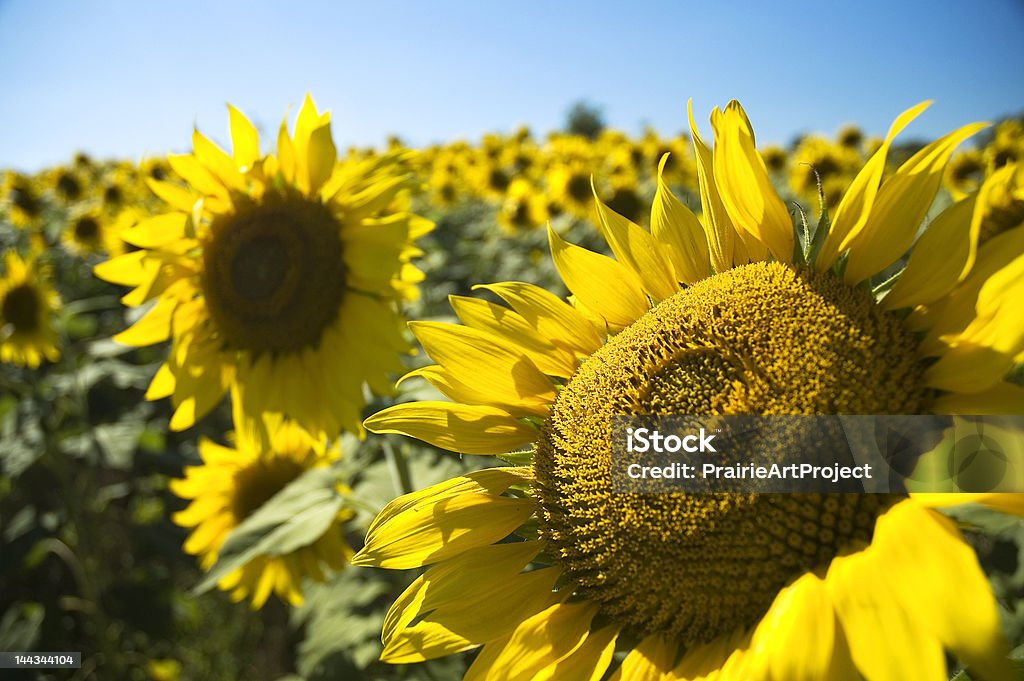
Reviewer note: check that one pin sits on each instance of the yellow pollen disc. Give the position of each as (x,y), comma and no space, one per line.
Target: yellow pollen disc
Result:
(763,338)
(273,274)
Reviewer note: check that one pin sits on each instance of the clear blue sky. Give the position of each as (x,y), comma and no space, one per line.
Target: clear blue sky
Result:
(131,78)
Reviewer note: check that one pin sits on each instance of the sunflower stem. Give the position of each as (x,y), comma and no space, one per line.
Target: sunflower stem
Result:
(398,467)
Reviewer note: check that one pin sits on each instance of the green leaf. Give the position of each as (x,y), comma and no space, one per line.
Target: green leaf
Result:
(296,516)
(19,626)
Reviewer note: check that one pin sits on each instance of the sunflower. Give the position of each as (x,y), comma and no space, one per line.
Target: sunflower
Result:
(965,172)
(817,160)
(27,306)
(21,197)
(569,186)
(549,573)
(279,276)
(523,208)
(92,231)
(233,483)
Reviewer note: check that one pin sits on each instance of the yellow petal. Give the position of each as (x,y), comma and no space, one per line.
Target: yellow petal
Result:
(1001,398)
(855,207)
(217,162)
(900,206)
(588,663)
(440,529)
(477,571)
(943,253)
(539,641)
(635,248)
(985,351)
(511,326)
(605,286)
(477,617)
(798,638)
(444,520)
(153,327)
(710,660)
(285,153)
(175,196)
(245,141)
(744,186)
(886,642)
(551,316)
(320,159)
(651,660)
(162,384)
(949,316)
(721,235)
(157,231)
(678,231)
(504,375)
(197,175)
(467,429)
(922,555)
(130,269)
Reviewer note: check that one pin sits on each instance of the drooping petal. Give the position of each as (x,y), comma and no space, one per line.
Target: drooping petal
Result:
(540,641)
(478,617)
(981,355)
(878,628)
(588,663)
(799,639)
(651,660)
(923,555)
(467,429)
(444,520)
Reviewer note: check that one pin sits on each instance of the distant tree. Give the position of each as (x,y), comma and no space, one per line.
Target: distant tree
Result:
(584,118)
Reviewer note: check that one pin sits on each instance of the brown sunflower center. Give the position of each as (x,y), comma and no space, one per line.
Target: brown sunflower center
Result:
(273,274)
(87,229)
(20,308)
(259,482)
(764,338)
(578,187)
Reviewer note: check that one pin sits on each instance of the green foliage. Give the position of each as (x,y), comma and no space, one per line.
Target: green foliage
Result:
(584,119)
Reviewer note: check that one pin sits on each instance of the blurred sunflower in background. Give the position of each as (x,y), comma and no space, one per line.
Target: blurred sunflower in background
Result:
(19,195)
(28,304)
(279,276)
(549,573)
(233,483)
(91,231)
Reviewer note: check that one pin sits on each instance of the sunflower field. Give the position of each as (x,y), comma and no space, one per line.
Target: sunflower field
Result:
(280,411)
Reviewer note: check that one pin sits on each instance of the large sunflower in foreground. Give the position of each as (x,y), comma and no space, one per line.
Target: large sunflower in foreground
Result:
(234,482)
(279,276)
(27,306)
(715,316)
